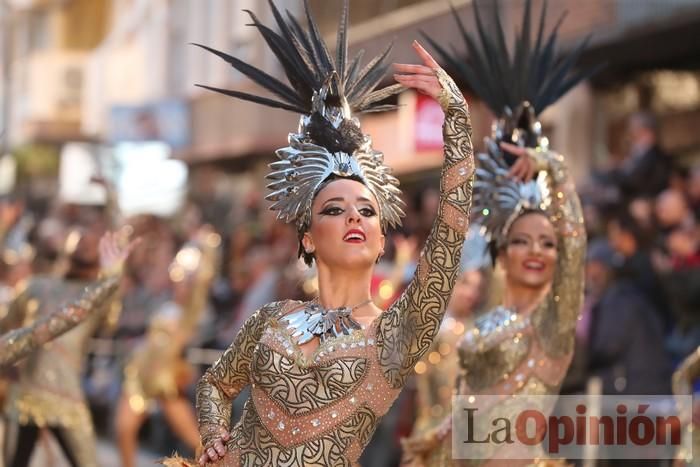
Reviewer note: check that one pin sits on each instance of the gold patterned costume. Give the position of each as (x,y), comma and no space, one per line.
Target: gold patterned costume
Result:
(48,391)
(323,411)
(509,353)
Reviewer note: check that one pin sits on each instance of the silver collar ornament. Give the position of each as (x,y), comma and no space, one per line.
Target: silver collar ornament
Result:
(315,321)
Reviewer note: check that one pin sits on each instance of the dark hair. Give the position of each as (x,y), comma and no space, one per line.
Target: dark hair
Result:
(307,257)
(629,225)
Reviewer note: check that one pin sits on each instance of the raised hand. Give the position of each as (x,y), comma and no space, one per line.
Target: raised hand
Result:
(525,168)
(422,78)
(114,248)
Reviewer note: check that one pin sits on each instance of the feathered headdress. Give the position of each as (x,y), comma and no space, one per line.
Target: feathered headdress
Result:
(328,91)
(516,87)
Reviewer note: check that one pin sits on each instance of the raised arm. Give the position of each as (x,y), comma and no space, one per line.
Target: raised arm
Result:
(19,343)
(555,319)
(406,331)
(686,374)
(228,376)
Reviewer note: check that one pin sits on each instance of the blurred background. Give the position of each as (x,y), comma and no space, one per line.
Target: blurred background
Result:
(100,118)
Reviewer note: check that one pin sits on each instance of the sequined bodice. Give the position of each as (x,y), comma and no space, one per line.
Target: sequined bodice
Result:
(502,354)
(337,390)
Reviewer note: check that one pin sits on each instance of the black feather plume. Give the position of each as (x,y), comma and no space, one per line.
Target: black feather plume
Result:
(532,73)
(308,64)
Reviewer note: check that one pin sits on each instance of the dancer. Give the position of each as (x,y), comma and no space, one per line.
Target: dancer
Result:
(322,373)
(48,392)
(157,368)
(535,229)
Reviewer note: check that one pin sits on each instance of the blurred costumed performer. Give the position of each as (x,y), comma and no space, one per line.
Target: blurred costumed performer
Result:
(48,392)
(684,379)
(322,373)
(534,228)
(157,371)
(22,342)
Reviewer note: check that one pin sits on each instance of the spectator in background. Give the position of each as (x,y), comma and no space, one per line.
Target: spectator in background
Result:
(600,260)
(642,210)
(646,171)
(679,178)
(624,337)
(672,210)
(632,244)
(680,274)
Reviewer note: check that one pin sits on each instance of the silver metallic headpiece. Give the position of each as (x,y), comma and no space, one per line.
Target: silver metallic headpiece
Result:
(304,167)
(327,90)
(499,200)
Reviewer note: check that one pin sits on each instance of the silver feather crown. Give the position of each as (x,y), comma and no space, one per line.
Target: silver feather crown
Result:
(304,167)
(327,91)
(499,200)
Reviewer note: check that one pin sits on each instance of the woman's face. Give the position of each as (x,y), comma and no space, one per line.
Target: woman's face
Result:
(530,255)
(345,228)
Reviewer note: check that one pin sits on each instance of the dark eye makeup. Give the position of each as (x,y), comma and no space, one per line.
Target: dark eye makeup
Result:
(332,211)
(368,212)
(336,211)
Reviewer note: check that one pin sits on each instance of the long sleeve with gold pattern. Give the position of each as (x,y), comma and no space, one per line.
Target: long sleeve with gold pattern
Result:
(229,375)
(555,320)
(499,355)
(18,343)
(407,329)
(686,374)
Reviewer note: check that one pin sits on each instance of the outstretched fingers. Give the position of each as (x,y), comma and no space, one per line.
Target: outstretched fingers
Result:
(427,59)
(413,69)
